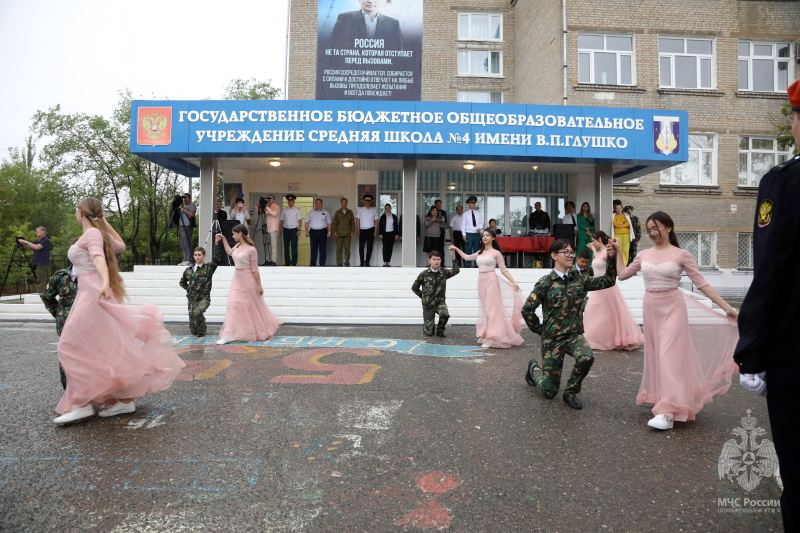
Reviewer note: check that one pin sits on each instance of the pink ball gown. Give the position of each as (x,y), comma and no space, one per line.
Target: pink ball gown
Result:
(607,322)
(108,350)
(247,317)
(688,347)
(501,318)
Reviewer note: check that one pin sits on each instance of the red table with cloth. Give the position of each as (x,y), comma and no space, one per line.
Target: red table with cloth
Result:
(536,245)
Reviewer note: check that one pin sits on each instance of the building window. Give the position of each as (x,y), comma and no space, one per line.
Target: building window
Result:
(701,245)
(605,59)
(745,251)
(757,155)
(701,169)
(764,66)
(686,63)
(481,97)
(480,27)
(480,63)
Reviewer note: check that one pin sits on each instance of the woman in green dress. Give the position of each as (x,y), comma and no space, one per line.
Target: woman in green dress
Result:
(585,228)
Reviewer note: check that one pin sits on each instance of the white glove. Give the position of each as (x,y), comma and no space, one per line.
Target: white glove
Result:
(755,383)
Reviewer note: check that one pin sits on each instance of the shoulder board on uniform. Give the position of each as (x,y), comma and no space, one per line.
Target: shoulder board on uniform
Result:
(786,164)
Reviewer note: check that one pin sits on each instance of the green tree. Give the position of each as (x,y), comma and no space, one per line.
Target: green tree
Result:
(31,197)
(785,137)
(135,192)
(250,89)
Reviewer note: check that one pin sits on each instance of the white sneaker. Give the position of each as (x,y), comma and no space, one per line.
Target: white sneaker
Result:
(119,408)
(660,422)
(486,345)
(75,414)
(224,341)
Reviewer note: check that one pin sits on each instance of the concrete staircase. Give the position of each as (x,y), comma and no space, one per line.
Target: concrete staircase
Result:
(315,295)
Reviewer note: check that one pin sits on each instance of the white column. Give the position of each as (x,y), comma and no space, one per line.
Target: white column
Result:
(603,191)
(206,203)
(409,212)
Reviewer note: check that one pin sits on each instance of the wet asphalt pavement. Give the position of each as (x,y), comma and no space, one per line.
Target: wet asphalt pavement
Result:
(364,429)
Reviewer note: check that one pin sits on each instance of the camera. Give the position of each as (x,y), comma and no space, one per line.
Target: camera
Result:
(17,239)
(177,200)
(262,203)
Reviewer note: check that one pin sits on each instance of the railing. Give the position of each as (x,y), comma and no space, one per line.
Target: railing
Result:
(21,278)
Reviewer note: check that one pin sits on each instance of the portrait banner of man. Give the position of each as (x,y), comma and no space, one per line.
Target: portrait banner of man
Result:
(378,43)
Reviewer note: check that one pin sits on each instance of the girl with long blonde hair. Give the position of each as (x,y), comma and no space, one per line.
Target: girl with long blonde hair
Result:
(111,353)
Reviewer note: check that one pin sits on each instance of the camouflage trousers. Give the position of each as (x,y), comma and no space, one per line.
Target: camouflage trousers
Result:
(632,251)
(429,317)
(553,351)
(197,322)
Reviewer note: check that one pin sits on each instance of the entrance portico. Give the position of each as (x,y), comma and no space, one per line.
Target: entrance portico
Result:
(411,152)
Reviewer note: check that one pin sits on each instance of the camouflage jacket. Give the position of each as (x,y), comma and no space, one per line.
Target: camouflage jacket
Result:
(563,301)
(198,284)
(431,286)
(59,296)
(636,228)
(343,223)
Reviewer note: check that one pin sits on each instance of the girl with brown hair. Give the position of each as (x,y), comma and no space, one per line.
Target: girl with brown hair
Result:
(111,353)
(247,317)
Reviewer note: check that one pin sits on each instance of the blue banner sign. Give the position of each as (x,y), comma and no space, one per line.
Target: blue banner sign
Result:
(164,130)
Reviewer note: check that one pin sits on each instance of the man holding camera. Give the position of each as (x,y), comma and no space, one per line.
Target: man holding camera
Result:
(273,212)
(186,223)
(41,256)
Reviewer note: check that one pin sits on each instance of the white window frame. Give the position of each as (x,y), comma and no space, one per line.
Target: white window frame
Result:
(480,97)
(748,178)
(778,85)
(744,250)
(712,244)
(489,59)
(700,60)
(591,52)
(468,19)
(668,175)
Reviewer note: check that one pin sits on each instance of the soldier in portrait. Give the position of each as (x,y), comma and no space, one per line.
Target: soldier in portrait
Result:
(196,280)
(562,294)
(58,297)
(430,286)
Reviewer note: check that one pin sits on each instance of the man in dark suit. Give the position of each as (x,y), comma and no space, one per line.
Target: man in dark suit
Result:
(367,24)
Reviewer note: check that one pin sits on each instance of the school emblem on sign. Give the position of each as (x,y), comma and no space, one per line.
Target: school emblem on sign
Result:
(154,126)
(765,209)
(746,459)
(666,135)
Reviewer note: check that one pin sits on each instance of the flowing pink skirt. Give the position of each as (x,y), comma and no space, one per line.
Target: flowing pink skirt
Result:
(247,317)
(607,322)
(688,354)
(501,312)
(112,351)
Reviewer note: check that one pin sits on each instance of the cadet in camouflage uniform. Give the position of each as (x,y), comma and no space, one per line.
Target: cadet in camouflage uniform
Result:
(58,298)
(196,280)
(636,233)
(430,286)
(562,294)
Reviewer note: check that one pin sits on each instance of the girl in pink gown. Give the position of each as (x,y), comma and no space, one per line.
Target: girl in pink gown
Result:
(607,322)
(499,324)
(247,317)
(111,353)
(685,364)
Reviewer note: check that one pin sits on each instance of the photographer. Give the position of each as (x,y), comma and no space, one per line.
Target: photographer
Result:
(273,212)
(41,256)
(185,224)
(239,212)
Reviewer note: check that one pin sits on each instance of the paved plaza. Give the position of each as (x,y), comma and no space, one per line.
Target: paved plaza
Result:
(366,429)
